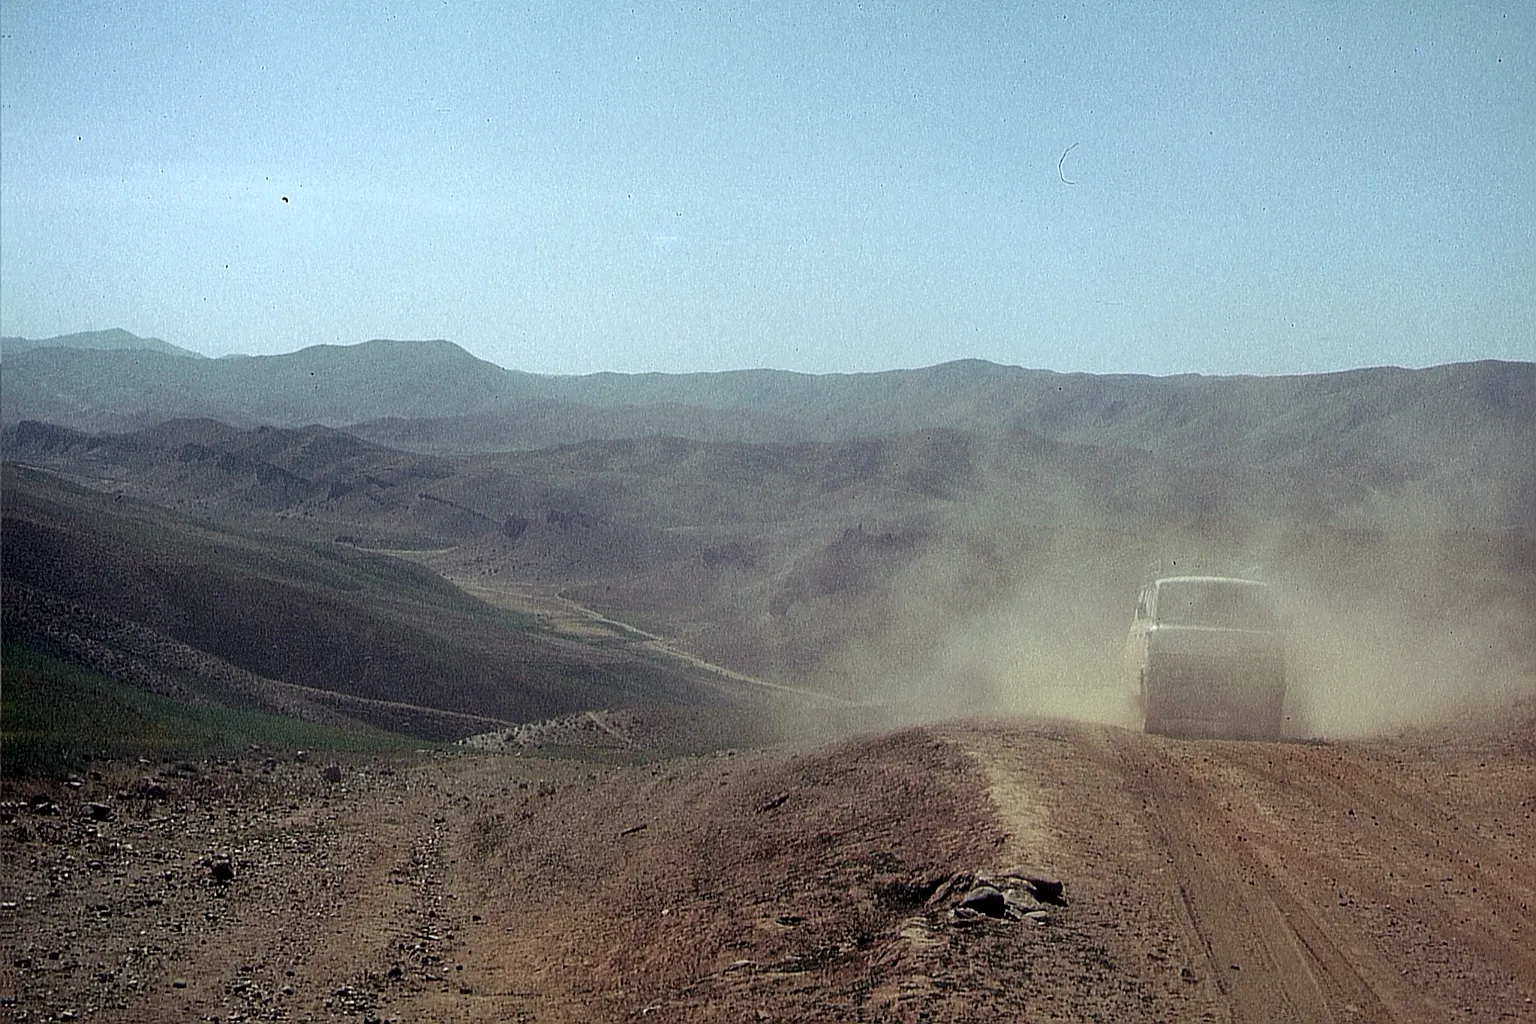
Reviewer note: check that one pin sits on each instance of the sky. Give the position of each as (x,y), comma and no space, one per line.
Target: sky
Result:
(1140,187)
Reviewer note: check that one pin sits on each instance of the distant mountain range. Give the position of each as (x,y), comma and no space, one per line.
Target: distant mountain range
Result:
(113,340)
(1450,436)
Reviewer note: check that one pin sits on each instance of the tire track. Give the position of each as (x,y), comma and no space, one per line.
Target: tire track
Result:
(1438,835)
(1398,865)
(1272,955)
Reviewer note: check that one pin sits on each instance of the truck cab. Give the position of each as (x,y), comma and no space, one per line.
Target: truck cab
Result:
(1206,657)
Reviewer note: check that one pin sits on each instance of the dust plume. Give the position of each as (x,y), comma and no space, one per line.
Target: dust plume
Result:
(1388,628)
(1398,629)
(956,634)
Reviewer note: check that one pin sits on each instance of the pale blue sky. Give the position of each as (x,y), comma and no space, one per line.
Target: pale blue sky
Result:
(575,187)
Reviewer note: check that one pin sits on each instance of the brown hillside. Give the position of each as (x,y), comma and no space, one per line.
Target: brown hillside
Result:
(329,618)
(937,567)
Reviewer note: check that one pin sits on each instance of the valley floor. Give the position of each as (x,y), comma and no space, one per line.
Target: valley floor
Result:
(1382,881)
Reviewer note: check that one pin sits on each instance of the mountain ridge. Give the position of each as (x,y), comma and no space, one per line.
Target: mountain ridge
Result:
(111,339)
(436,397)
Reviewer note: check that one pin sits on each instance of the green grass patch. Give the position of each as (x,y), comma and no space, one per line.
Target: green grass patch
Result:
(56,716)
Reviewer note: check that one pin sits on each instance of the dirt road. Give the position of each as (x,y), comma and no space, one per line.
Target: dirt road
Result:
(1291,882)
(1383,881)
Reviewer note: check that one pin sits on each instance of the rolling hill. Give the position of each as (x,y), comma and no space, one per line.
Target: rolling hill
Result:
(329,384)
(194,608)
(965,535)
(863,567)
(114,340)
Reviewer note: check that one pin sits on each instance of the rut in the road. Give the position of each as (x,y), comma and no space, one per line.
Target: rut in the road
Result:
(1271,959)
(1291,882)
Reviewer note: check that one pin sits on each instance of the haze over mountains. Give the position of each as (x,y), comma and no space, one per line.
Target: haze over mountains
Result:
(965,535)
(457,402)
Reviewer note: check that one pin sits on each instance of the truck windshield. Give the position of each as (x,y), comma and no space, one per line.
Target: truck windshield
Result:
(1226,604)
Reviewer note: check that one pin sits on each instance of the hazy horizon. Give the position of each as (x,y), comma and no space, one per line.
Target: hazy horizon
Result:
(879,369)
(815,188)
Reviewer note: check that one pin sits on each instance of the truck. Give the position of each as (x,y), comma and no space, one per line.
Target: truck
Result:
(1206,657)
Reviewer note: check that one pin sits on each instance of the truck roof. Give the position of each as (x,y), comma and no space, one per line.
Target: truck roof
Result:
(1210,579)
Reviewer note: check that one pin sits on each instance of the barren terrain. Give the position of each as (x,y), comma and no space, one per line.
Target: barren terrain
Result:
(1384,881)
(812,717)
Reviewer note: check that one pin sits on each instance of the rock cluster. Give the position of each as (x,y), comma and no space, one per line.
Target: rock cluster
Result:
(1007,897)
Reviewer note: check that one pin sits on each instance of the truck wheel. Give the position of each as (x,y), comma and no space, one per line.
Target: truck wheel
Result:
(1149,720)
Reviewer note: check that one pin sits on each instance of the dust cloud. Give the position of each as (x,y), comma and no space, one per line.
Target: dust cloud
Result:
(955,634)
(1400,630)
(1390,628)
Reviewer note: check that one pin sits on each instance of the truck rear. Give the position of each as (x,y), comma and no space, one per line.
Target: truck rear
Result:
(1206,657)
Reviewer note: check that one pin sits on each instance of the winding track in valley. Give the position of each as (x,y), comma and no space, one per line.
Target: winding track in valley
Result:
(570,618)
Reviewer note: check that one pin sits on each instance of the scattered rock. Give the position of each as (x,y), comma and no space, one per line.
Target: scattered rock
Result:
(96,812)
(1046,890)
(960,882)
(984,899)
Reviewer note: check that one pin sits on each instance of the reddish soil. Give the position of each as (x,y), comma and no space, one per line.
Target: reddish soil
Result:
(1384,881)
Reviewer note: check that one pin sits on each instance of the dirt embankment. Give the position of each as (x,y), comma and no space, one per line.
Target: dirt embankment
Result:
(1219,881)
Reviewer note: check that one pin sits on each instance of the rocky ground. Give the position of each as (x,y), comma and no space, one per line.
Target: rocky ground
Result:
(976,871)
